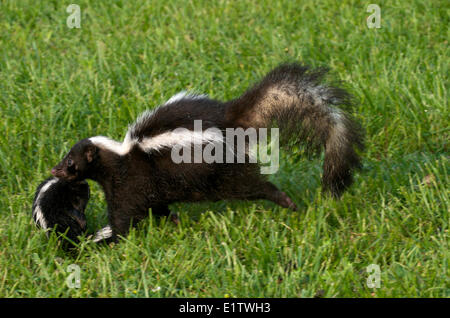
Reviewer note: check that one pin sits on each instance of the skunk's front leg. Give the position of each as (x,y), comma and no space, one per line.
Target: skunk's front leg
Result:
(122,217)
(163,210)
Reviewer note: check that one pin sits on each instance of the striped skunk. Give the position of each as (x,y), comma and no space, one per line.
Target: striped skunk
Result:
(140,172)
(60,205)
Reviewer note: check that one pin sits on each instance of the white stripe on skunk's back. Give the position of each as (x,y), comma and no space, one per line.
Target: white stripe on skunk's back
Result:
(185,95)
(37,211)
(178,137)
(112,145)
(146,116)
(181,137)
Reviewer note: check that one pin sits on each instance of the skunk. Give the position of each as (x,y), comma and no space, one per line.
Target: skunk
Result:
(141,173)
(60,205)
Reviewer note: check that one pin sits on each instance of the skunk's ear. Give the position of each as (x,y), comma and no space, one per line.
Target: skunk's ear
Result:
(91,153)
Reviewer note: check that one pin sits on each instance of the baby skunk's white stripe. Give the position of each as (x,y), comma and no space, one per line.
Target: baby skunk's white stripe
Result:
(37,211)
(102,234)
(39,217)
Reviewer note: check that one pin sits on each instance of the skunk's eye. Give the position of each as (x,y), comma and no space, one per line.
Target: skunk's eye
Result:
(69,163)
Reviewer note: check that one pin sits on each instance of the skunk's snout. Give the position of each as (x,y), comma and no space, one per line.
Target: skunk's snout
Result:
(59,173)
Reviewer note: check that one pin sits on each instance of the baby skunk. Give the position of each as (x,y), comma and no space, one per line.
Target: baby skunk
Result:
(60,204)
(139,173)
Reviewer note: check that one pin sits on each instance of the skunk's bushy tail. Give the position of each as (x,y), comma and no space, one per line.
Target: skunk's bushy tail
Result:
(294,98)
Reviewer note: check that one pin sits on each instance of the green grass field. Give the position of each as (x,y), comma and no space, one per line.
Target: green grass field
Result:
(59,85)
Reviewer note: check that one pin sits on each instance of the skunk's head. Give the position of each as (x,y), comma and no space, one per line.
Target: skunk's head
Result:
(77,164)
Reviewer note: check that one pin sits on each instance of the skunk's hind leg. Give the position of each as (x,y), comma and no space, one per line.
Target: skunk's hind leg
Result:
(272,193)
(268,191)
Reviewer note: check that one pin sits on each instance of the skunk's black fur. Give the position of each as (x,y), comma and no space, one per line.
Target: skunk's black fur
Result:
(60,205)
(139,173)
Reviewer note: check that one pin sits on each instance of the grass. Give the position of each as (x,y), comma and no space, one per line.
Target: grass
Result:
(59,85)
